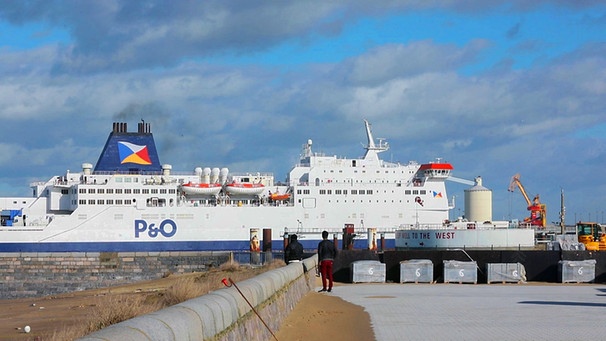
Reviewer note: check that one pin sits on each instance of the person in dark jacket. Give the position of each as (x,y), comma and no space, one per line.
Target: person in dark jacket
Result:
(327,252)
(293,251)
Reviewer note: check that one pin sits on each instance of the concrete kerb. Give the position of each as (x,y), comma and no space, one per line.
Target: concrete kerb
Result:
(222,314)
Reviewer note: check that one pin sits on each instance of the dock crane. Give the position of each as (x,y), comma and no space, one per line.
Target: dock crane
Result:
(538,211)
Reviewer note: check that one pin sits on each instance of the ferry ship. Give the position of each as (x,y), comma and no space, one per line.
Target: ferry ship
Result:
(130,201)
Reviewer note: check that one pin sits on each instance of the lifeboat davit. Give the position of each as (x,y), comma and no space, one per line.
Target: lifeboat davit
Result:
(194,189)
(239,188)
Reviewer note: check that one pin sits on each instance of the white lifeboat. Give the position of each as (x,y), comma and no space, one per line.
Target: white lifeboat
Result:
(244,188)
(195,189)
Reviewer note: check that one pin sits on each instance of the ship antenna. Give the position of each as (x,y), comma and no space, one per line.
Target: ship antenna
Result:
(372,150)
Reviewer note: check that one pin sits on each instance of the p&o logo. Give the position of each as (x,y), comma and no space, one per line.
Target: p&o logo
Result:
(167,228)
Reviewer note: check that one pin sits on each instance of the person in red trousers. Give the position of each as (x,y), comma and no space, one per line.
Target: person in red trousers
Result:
(327,252)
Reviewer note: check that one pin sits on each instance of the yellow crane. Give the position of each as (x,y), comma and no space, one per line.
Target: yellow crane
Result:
(538,211)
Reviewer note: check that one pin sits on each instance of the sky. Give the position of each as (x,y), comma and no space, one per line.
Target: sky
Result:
(496,88)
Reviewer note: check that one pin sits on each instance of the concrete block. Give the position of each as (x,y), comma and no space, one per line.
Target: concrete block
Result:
(366,271)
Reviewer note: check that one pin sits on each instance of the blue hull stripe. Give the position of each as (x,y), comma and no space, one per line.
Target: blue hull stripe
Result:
(221,245)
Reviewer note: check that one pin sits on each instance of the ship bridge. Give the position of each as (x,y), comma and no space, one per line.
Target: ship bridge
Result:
(436,170)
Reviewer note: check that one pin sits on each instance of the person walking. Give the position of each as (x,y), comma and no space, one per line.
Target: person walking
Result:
(327,252)
(293,251)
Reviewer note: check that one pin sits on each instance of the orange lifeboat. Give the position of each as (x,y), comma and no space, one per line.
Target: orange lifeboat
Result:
(279,196)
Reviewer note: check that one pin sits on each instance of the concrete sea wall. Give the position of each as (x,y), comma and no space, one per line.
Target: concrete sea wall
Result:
(42,274)
(224,314)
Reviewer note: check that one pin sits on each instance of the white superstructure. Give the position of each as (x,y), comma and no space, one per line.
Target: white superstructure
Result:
(131,202)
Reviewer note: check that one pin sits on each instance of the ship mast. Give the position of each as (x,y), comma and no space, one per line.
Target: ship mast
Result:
(372,150)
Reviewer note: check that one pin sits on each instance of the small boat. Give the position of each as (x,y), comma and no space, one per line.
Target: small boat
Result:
(243,188)
(197,189)
(279,196)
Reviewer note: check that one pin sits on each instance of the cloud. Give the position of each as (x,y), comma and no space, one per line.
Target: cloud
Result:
(396,60)
(126,35)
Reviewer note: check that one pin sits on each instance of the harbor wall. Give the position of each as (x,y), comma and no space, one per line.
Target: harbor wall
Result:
(42,274)
(224,314)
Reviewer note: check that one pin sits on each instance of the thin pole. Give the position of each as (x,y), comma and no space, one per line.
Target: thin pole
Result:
(225,282)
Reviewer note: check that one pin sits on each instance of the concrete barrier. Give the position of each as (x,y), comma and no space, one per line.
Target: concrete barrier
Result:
(224,313)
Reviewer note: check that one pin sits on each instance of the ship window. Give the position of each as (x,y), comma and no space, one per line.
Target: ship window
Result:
(362,191)
(163,191)
(145,191)
(416,191)
(91,202)
(407,191)
(118,190)
(345,192)
(136,191)
(127,191)
(298,191)
(81,190)
(172,191)
(369,191)
(118,179)
(338,191)
(154,191)
(119,202)
(110,201)
(82,202)
(91,191)
(64,191)
(128,180)
(100,202)
(329,191)
(100,191)
(306,191)
(127,202)
(110,191)
(423,191)
(322,191)
(354,191)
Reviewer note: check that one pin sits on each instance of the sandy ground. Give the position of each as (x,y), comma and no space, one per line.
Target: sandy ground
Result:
(318,316)
(321,316)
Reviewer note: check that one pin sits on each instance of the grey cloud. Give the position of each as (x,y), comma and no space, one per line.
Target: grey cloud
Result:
(394,61)
(125,35)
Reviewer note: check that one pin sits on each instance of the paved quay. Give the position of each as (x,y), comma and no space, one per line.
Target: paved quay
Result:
(480,311)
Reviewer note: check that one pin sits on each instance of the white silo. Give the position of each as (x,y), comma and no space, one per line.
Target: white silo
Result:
(478,202)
